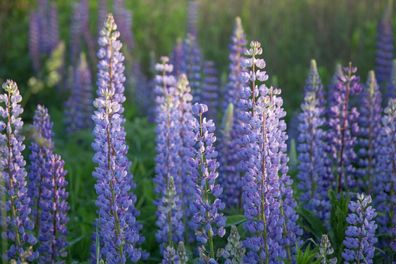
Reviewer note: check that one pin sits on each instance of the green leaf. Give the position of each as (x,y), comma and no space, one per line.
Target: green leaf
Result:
(311,223)
(235,220)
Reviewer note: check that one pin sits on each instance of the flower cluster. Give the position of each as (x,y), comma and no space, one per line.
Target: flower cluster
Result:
(385,171)
(169,211)
(314,174)
(326,251)
(384,53)
(360,233)
(369,129)
(118,228)
(54,207)
(208,220)
(344,128)
(78,107)
(15,202)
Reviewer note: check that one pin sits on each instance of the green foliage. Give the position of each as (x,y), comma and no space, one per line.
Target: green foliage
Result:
(306,256)
(338,215)
(311,223)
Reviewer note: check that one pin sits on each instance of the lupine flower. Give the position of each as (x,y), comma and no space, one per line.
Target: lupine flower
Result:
(176,57)
(117,225)
(41,150)
(79,105)
(210,89)
(314,175)
(192,17)
(34,41)
(369,129)
(384,53)
(54,207)
(170,256)
(102,13)
(187,123)
(385,171)
(14,193)
(230,170)
(237,47)
(123,18)
(53,31)
(208,221)
(169,212)
(392,82)
(234,252)
(181,251)
(261,188)
(326,251)
(192,65)
(360,233)
(343,128)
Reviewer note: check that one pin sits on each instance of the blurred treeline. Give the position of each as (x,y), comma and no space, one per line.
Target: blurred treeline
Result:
(292,32)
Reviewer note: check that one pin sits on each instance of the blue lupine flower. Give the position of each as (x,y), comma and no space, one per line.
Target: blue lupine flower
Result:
(314,174)
(369,128)
(117,225)
(208,220)
(78,107)
(54,207)
(360,233)
(16,210)
(210,94)
(169,212)
(343,128)
(41,149)
(385,172)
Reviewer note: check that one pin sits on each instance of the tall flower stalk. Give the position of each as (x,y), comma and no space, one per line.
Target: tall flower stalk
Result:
(117,224)
(230,171)
(169,212)
(208,220)
(54,208)
(16,219)
(192,66)
(384,53)
(211,89)
(41,150)
(343,128)
(314,174)
(392,82)
(360,233)
(79,105)
(385,172)
(369,129)
(261,188)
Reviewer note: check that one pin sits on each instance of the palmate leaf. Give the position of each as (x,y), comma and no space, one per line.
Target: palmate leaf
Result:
(307,256)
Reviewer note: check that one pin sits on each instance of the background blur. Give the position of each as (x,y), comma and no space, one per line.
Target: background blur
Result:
(291,31)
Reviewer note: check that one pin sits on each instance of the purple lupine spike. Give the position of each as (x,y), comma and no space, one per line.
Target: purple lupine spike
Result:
(176,57)
(210,89)
(208,219)
(261,186)
(192,65)
(343,128)
(41,149)
(16,210)
(369,129)
(237,47)
(79,105)
(34,41)
(168,182)
(192,17)
(54,208)
(314,174)
(186,124)
(385,171)
(230,171)
(392,82)
(384,53)
(53,31)
(75,33)
(123,19)
(360,233)
(117,224)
